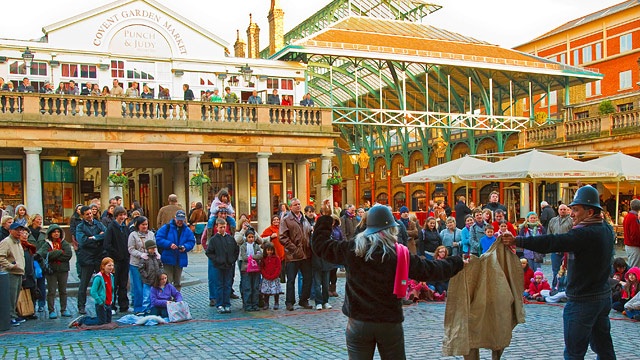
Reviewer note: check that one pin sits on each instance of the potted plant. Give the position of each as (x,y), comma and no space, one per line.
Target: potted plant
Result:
(118,179)
(198,179)
(334,179)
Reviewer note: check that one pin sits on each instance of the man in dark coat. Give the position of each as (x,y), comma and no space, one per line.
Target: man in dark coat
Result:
(90,236)
(494,202)
(462,210)
(546,214)
(116,244)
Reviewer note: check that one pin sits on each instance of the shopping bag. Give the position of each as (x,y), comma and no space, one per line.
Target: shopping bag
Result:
(37,269)
(25,304)
(252,265)
(178,311)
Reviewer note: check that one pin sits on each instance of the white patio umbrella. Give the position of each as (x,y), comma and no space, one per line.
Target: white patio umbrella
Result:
(535,166)
(626,166)
(447,172)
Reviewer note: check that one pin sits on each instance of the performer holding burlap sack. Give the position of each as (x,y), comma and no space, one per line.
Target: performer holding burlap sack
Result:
(377,270)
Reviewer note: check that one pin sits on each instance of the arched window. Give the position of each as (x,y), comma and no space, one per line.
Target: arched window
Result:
(399,200)
(419,201)
(382,198)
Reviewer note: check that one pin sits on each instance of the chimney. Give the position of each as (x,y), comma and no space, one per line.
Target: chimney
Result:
(239,47)
(276,24)
(253,38)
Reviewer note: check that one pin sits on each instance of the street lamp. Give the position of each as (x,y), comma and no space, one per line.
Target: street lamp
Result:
(216,160)
(363,159)
(73,158)
(27,56)
(246,72)
(354,155)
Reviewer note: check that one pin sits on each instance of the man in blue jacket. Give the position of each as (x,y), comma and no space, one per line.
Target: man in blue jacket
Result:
(90,237)
(590,247)
(175,240)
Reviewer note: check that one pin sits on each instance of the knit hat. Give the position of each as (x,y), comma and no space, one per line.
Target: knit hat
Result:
(538,272)
(404,209)
(149,244)
(531,213)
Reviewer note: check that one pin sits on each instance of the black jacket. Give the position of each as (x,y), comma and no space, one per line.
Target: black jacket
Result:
(589,265)
(223,251)
(462,210)
(428,241)
(403,237)
(90,251)
(369,284)
(494,206)
(116,241)
(546,215)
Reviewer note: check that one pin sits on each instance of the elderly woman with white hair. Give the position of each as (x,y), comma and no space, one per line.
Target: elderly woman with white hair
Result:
(377,272)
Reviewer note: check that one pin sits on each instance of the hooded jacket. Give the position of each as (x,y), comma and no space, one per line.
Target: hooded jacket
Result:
(116,241)
(535,288)
(631,290)
(167,235)
(150,268)
(59,258)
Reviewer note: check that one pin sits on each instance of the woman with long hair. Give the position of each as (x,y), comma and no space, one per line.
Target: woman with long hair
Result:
(378,269)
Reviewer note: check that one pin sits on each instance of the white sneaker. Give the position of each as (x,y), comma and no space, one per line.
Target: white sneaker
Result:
(327,306)
(319,307)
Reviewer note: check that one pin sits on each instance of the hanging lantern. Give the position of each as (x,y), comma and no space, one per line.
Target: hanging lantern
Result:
(363,159)
(354,155)
(216,160)
(73,158)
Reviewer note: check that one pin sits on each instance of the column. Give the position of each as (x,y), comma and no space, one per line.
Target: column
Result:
(243,195)
(104,184)
(115,165)
(195,193)
(326,171)
(264,202)
(525,204)
(302,184)
(179,186)
(34,181)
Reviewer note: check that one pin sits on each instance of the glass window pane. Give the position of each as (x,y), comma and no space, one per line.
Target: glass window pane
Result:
(275,172)
(92,72)
(65,70)
(73,71)
(84,71)
(291,190)
(253,190)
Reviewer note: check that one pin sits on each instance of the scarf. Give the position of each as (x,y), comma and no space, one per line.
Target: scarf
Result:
(28,246)
(405,222)
(402,271)
(107,288)
(591,220)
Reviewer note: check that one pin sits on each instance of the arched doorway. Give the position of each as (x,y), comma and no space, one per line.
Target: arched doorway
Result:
(399,200)
(419,201)
(382,198)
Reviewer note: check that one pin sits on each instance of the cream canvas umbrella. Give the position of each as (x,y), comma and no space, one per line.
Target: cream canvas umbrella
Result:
(447,172)
(626,166)
(535,166)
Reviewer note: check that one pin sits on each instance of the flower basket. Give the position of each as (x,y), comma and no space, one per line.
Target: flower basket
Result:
(334,179)
(199,179)
(119,179)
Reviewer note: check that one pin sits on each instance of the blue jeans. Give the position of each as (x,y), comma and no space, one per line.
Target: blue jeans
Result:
(136,288)
(146,297)
(556,263)
(103,316)
(212,276)
(587,323)
(160,311)
(313,288)
(250,289)
(224,283)
(321,286)
(43,290)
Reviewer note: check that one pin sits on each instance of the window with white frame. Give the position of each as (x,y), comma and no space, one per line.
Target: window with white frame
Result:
(586,54)
(598,52)
(553,98)
(597,86)
(626,42)
(418,164)
(19,68)
(383,172)
(587,88)
(79,71)
(400,170)
(543,100)
(625,79)
(524,104)
(563,58)
(576,57)
(117,69)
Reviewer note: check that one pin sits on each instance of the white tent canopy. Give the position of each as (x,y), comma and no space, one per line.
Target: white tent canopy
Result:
(539,166)
(448,171)
(627,167)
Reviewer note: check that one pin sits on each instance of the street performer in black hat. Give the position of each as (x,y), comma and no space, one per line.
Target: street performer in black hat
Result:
(590,247)
(377,270)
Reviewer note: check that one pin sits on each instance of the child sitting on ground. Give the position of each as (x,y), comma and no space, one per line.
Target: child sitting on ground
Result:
(441,287)
(528,275)
(250,279)
(270,267)
(620,266)
(161,293)
(487,240)
(629,289)
(150,267)
(538,284)
(103,294)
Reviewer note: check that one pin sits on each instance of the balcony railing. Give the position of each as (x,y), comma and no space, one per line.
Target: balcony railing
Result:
(57,108)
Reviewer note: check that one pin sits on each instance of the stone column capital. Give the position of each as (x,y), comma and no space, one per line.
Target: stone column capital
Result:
(115,152)
(32,150)
(263,155)
(195,153)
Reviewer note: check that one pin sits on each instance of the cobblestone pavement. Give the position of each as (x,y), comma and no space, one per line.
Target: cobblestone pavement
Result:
(302,334)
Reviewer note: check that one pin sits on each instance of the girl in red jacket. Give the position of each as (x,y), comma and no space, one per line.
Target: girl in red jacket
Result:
(538,284)
(528,275)
(270,269)
(629,288)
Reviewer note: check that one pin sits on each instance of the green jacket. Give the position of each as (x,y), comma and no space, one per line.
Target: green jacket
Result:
(231,98)
(58,259)
(99,290)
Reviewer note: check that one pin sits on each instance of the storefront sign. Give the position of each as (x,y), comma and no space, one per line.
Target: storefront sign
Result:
(11,171)
(58,171)
(140,42)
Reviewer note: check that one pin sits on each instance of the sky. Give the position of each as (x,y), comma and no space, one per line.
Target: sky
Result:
(507,23)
